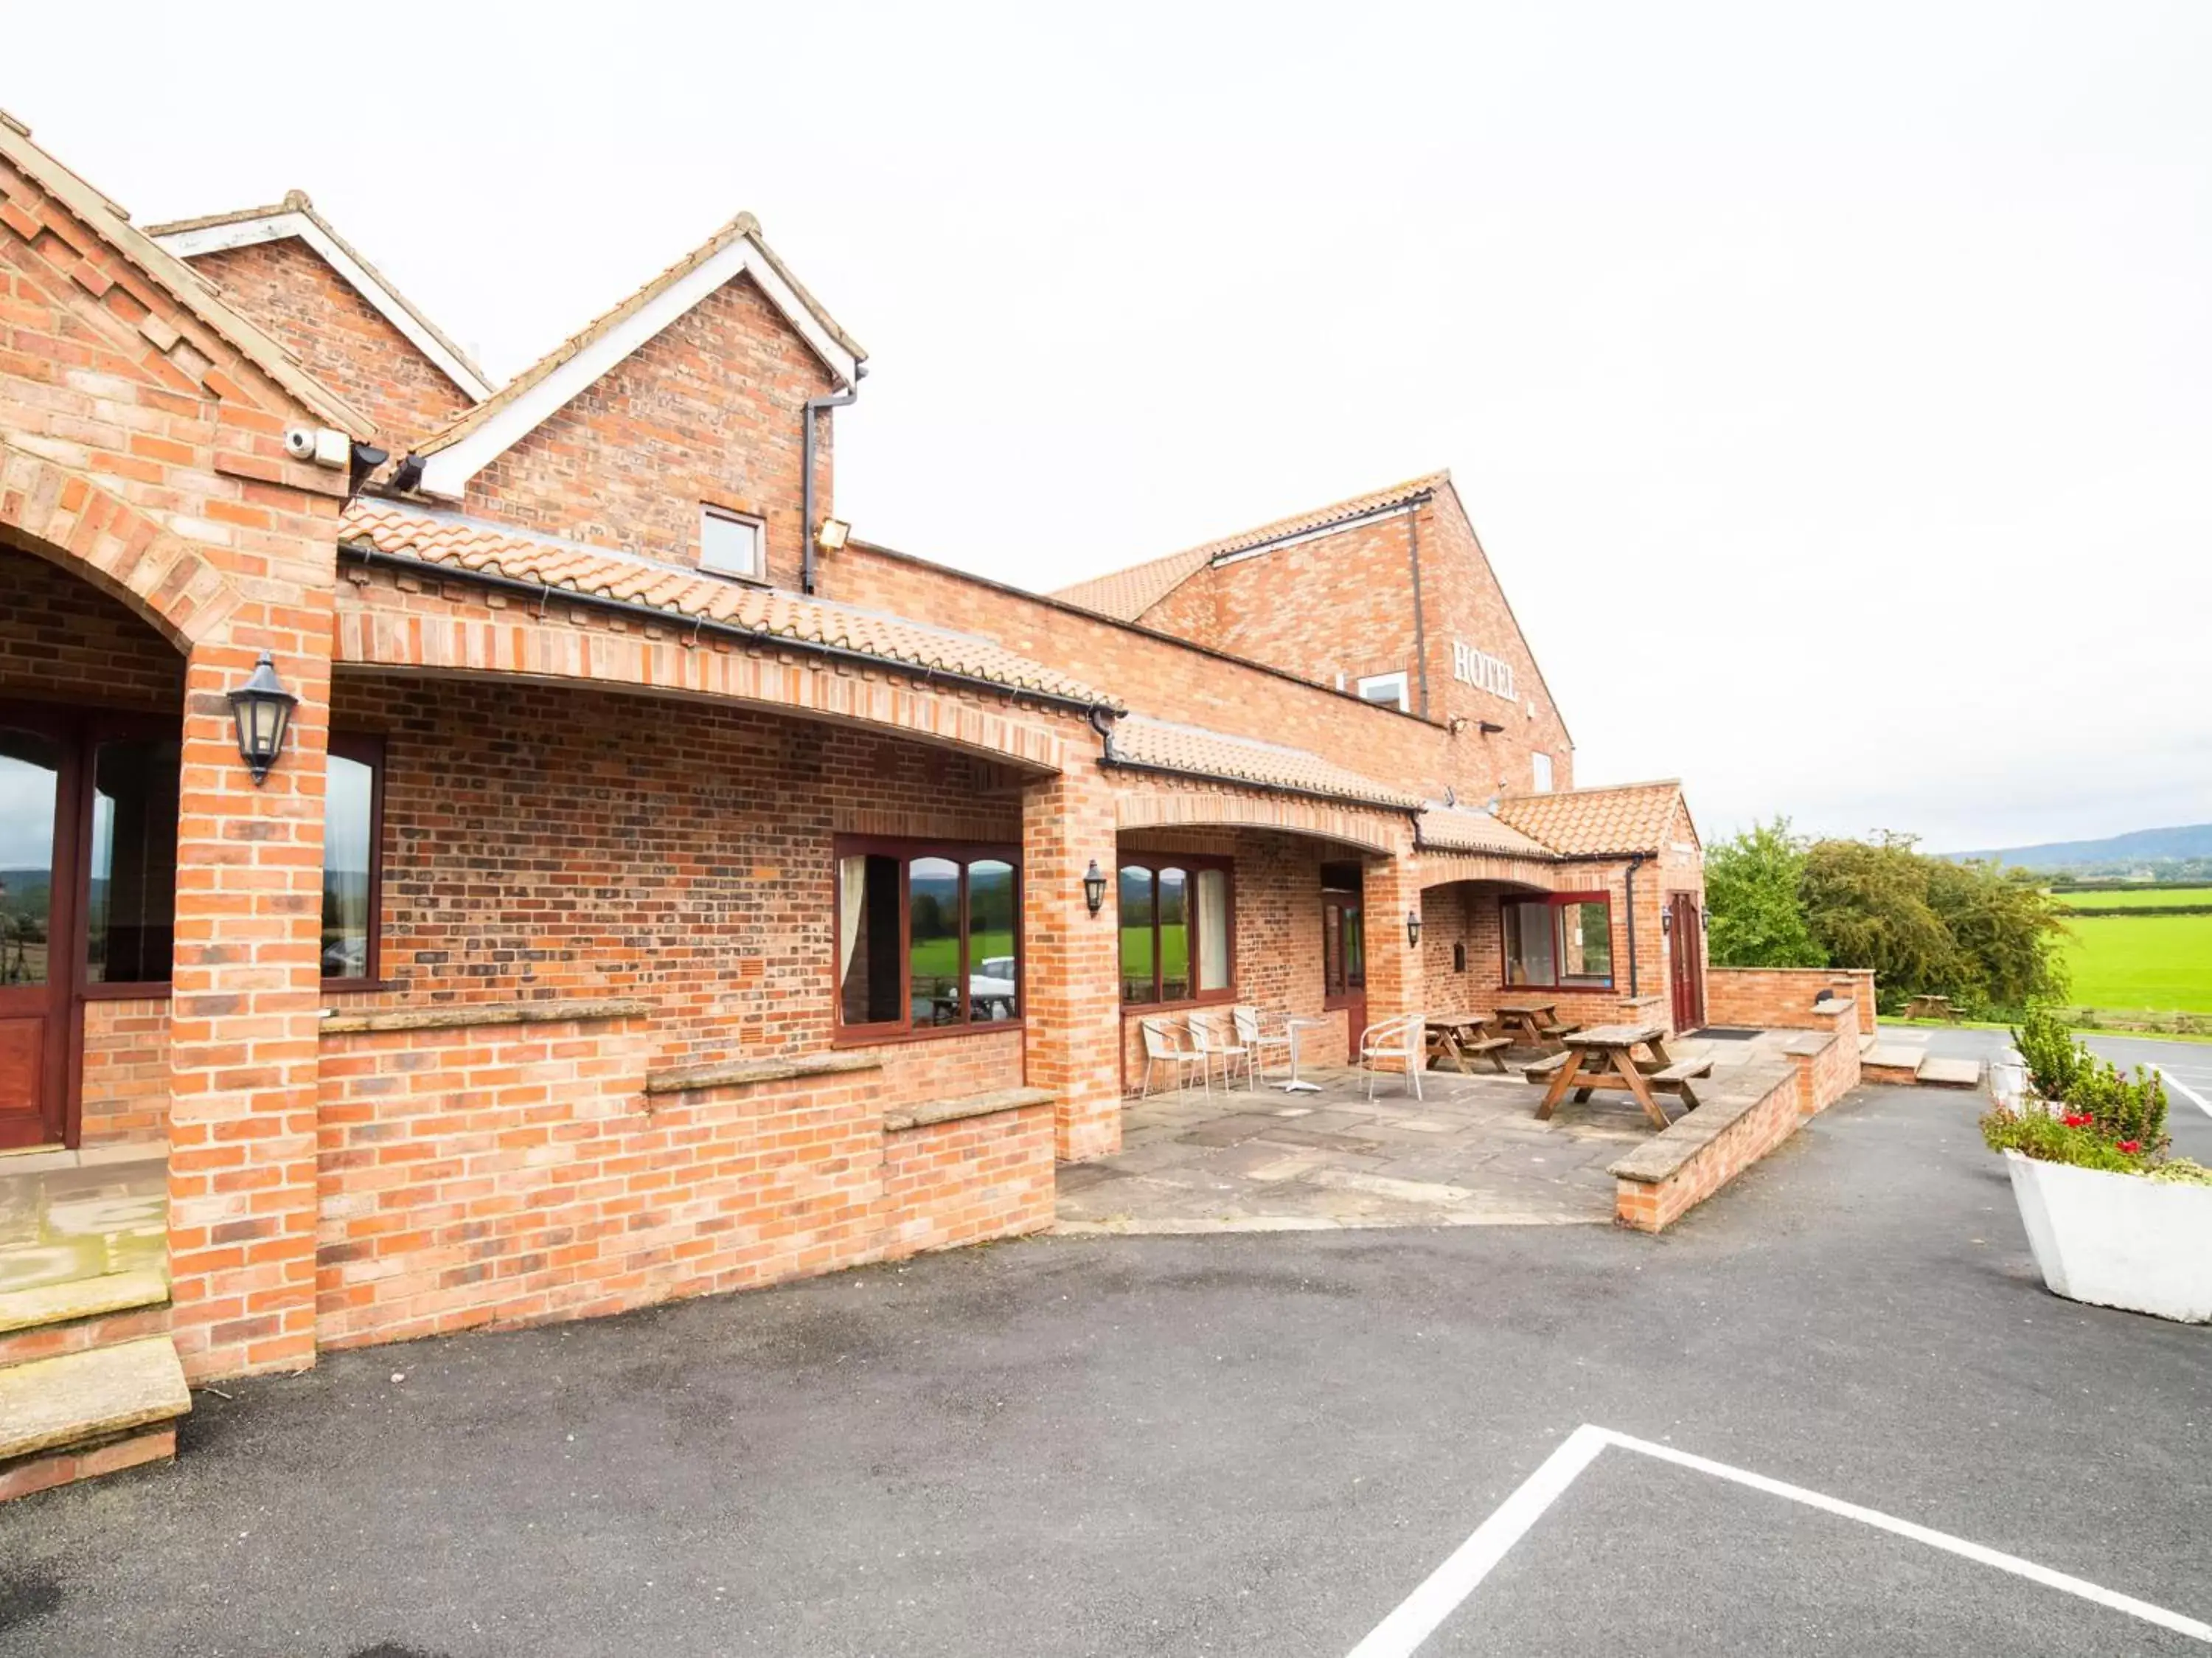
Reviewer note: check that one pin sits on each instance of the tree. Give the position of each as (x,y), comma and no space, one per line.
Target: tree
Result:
(2006,926)
(1755,915)
(1867,903)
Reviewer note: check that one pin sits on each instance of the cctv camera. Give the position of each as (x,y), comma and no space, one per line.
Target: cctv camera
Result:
(300,443)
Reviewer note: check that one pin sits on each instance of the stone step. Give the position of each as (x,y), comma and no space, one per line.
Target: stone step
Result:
(70,1405)
(1893,1062)
(1951,1074)
(81,1314)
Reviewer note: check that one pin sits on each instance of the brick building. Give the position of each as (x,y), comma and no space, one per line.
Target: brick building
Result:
(658,891)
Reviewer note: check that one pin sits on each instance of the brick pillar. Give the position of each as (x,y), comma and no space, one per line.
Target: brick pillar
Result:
(244,1010)
(1396,982)
(1071,962)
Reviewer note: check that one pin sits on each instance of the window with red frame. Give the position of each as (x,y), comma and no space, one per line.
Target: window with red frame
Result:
(1563,941)
(929,936)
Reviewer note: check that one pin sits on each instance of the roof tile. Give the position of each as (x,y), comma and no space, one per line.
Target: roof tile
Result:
(446,542)
(1626,817)
(1197,752)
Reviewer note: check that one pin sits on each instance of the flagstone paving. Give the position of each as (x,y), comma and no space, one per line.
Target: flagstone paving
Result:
(1470,1152)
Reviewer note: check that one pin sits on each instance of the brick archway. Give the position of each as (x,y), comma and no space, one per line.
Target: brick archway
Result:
(52,512)
(1366,827)
(505,644)
(1443,868)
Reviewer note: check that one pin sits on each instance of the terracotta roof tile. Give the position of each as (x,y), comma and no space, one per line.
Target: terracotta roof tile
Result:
(1456,829)
(1127,594)
(448,541)
(1197,752)
(1629,817)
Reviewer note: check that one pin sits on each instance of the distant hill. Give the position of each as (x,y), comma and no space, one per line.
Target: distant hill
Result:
(2144,849)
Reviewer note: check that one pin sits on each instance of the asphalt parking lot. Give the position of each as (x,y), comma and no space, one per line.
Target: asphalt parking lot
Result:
(1239,1444)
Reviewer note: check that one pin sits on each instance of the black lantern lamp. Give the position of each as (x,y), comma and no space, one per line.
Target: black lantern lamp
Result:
(262,708)
(1094,887)
(1413,929)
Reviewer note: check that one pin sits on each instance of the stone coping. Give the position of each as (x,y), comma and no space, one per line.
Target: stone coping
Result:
(464,1016)
(740,1073)
(1809,1043)
(977,1104)
(1664,1154)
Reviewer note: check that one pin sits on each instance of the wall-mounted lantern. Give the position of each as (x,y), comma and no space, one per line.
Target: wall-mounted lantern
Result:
(1666,921)
(262,708)
(1413,929)
(1094,887)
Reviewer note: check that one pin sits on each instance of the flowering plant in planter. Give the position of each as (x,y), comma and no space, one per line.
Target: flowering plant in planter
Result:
(2111,1219)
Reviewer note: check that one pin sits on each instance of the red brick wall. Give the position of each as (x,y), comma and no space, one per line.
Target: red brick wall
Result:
(956,1183)
(1163,676)
(339,336)
(709,410)
(1776,998)
(1650,1206)
(126,1072)
(548,841)
(64,640)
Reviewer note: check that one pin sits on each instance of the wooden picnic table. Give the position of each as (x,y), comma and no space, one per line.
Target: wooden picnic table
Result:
(1537,1022)
(1630,1058)
(1455,1036)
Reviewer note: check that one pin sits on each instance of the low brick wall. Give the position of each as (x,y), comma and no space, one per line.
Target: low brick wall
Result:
(1742,1119)
(1783,998)
(490,1172)
(126,1072)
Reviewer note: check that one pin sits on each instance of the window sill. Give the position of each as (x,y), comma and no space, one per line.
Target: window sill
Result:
(894,1033)
(148,992)
(1593,988)
(743,1073)
(1211,999)
(349,986)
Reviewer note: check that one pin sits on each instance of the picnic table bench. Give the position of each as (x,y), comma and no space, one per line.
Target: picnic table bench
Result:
(1931,1007)
(1630,1058)
(1537,1022)
(1456,1037)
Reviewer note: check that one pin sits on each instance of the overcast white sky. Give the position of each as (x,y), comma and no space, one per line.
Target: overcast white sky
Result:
(1832,393)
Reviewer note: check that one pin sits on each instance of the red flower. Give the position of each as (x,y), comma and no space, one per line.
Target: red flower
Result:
(2130,1147)
(2073,1119)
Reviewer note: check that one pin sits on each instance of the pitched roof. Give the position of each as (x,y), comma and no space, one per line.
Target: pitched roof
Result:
(111,223)
(466,445)
(448,541)
(1128,593)
(1456,829)
(1194,752)
(296,215)
(1629,817)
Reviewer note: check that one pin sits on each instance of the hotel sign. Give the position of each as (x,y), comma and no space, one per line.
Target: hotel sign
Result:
(1480,669)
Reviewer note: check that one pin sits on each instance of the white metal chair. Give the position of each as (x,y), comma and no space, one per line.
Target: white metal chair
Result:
(1404,1039)
(1260,1042)
(1163,1047)
(1212,1043)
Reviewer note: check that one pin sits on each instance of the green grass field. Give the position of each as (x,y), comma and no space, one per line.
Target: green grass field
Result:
(2160,962)
(2135,898)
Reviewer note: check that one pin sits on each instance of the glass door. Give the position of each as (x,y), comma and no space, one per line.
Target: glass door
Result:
(38,922)
(1344,948)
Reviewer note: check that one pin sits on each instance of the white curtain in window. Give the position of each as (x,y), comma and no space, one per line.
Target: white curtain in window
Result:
(1212,929)
(852,894)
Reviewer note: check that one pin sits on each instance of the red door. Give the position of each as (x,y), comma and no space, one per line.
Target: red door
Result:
(1344,951)
(1686,957)
(38,925)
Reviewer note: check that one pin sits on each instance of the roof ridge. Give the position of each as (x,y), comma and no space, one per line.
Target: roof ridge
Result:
(298,201)
(744,226)
(1307,521)
(1594,789)
(109,220)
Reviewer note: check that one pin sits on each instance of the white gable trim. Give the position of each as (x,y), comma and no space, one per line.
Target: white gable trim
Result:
(447,473)
(277,226)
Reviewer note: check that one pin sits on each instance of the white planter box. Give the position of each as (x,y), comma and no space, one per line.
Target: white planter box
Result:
(2117,1239)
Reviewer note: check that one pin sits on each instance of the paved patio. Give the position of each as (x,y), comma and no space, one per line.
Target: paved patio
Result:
(1470,1152)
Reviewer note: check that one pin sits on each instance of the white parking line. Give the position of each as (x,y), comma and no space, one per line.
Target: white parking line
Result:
(1416,1617)
(2184,1090)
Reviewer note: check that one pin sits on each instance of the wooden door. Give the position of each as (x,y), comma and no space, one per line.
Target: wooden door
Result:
(1344,960)
(1687,960)
(38,925)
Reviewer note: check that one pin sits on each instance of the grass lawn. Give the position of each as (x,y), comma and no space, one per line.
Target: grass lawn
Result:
(940,958)
(2135,898)
(2158,962)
